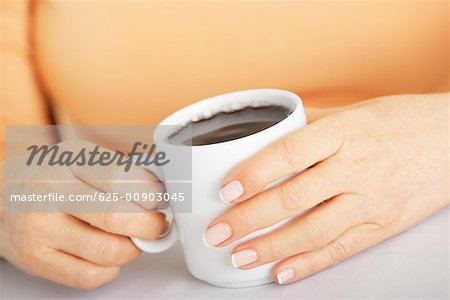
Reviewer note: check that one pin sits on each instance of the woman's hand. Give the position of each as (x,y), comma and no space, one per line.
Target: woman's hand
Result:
(82,247)
(367,173)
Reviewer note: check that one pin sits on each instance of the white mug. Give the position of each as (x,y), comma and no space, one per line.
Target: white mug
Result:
(210,163)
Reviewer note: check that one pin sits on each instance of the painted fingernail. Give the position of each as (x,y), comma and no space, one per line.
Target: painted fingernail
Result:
(243,258)
(217,234)
(285,275)
(231,191)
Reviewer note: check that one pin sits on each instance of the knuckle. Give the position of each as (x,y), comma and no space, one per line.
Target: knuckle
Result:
(330,121)
(292,197)
(114,221)
(316,232)
(363,206)
(246,219)
(311,266)
(87,279)
(289,152)
(251,178)
(110,251)
(361,163)
(337,127)
(275,248)
(337,251)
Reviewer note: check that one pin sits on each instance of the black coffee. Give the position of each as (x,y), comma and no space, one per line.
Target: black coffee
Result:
(227,126)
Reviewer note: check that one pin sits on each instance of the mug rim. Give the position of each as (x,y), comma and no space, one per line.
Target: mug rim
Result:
(295,99)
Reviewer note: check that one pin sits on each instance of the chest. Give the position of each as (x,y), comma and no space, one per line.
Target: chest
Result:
(173,53)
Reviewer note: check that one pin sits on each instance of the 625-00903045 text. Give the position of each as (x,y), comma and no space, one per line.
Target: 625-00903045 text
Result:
(97,196)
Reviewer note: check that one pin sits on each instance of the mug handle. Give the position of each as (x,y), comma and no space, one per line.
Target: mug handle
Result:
(167,239)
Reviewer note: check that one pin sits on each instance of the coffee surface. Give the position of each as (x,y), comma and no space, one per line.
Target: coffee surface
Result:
(228,126)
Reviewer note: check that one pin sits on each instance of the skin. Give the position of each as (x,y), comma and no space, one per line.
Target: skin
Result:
(40,48)
(82,248)
(137,63)
(347,205)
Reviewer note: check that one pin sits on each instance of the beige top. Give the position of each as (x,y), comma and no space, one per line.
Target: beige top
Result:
(135,62)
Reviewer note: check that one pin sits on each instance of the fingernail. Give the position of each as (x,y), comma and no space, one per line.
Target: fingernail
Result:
(285,275)
(217,234)
(243,257)
(231,191)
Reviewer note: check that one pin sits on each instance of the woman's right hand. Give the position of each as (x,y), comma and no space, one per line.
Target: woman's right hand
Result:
(78,248)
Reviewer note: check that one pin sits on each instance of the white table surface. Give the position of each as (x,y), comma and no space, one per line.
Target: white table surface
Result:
(414,264)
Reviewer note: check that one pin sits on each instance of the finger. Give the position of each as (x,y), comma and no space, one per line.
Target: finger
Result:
(145,225)
(72,271)
(80,196)
(103,248)
(311,231)
(117,217)
(351,242)
(120,217)
(291,154)
(114,179)
(290,198)
(117,179)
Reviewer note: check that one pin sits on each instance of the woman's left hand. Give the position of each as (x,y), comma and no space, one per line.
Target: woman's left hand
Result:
(363,174)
